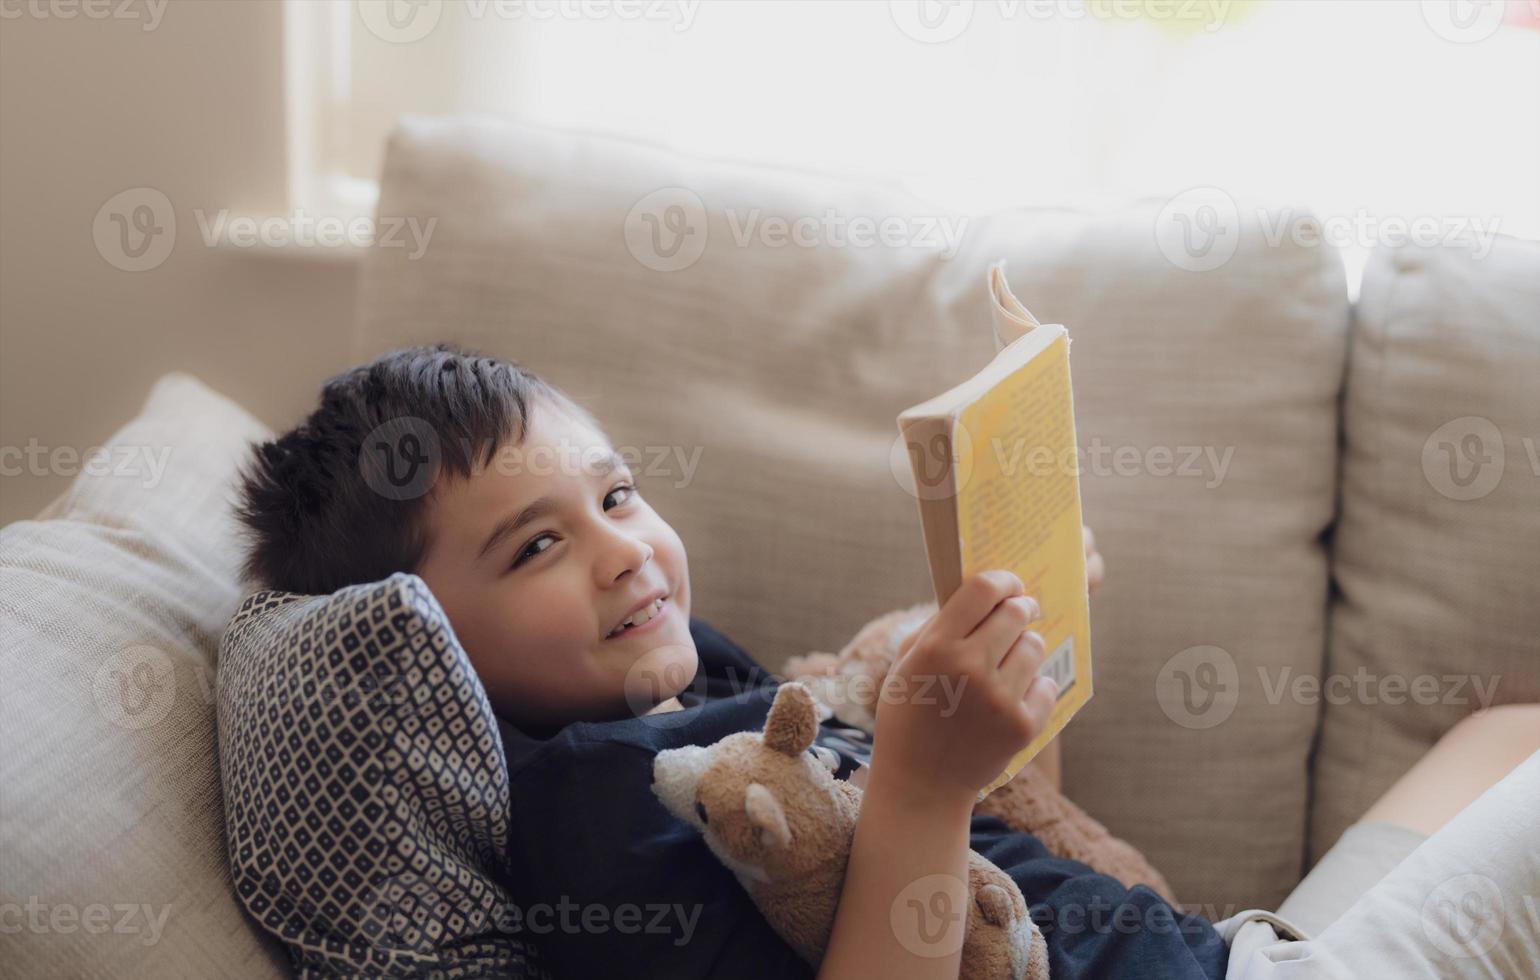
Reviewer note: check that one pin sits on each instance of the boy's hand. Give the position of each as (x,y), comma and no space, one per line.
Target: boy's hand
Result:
(963,695)
(1095,565)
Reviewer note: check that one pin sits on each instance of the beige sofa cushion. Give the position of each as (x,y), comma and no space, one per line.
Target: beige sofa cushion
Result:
(1437,556)
(110,613)
(680,300)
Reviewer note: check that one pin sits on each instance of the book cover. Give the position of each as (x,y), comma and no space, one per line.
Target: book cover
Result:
(997,478)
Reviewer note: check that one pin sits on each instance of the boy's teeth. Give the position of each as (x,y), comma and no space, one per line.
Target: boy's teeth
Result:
(641,616)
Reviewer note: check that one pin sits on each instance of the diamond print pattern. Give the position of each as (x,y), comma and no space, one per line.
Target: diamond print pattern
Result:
(365,786)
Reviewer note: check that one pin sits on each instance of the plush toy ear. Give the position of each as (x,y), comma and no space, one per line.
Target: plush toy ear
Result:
(792,721)
(766,815)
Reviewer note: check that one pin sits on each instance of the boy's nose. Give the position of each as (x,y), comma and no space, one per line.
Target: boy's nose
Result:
(624,553)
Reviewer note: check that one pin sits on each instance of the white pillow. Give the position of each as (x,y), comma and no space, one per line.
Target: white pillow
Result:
(110,615)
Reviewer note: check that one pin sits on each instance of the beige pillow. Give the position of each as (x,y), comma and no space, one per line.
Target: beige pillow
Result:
(751,317)
(1437,553)
(110,614)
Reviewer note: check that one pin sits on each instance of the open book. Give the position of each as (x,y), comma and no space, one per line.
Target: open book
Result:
(997,477)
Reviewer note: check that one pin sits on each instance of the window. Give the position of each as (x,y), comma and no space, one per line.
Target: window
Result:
(1375,114)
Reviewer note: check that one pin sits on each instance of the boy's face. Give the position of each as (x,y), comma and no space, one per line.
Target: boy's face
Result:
(534,605)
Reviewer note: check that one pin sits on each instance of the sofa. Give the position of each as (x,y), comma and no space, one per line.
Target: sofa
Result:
(1321,515)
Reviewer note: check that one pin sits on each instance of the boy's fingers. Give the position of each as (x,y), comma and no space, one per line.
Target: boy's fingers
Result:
(1021,662)
(1039,699)
(974,600)
(1005,626)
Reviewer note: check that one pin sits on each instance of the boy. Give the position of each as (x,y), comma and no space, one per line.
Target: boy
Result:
(571,597)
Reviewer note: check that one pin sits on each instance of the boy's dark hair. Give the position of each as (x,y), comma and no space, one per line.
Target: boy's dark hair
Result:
(341,499)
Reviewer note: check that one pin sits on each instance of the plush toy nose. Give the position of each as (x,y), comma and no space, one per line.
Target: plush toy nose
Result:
(675,775)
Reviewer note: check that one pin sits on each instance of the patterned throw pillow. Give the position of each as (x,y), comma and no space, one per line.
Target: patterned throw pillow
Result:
(365,786)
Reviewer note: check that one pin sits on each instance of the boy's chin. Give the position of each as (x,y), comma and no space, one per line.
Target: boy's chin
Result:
(660,673)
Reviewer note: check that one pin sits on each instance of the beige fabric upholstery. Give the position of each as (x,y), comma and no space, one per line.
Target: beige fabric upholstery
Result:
(110,614)
(785,366)
(1437,556)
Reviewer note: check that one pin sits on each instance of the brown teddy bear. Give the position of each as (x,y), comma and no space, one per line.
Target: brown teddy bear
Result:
(774,814)
(848,684)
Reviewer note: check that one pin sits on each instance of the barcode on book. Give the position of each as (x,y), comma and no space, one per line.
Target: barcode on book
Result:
(1060,665)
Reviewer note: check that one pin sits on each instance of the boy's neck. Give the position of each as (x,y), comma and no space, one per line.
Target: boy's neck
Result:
(672,704)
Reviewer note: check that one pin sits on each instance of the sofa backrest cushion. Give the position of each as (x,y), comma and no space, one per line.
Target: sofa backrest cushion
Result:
(1437,552)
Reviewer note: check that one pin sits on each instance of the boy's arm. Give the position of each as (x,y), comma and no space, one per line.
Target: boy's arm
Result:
(908,868)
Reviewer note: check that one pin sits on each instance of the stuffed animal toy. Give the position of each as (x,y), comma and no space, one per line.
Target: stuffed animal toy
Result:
(848,683)
(774,814)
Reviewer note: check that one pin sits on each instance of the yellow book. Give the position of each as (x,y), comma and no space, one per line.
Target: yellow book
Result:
(997,477)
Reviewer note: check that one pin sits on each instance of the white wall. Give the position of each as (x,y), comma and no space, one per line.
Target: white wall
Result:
(194,108)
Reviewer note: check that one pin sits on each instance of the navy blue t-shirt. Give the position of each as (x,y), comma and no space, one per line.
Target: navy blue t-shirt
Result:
(606,882)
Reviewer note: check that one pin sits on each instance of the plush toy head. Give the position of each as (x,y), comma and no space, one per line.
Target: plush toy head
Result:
(772,812)
(752,795)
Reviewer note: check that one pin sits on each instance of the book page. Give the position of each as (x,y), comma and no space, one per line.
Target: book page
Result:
(1020,509)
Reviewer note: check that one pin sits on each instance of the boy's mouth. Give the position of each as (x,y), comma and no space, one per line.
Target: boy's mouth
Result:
(644,618)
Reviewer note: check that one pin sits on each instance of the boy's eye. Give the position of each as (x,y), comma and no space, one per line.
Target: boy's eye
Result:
(530,551)
(628,488)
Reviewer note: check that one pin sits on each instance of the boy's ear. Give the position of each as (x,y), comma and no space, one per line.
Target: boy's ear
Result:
(766,815)
(792,721)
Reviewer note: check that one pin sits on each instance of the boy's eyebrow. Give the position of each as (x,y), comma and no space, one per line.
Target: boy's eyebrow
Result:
(603,467)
